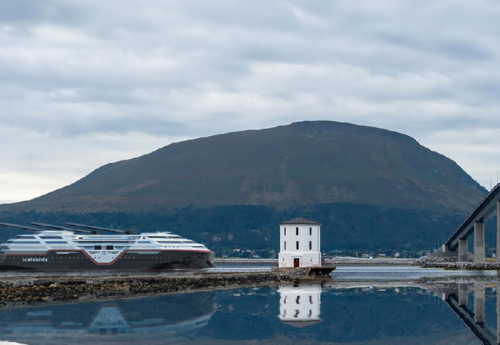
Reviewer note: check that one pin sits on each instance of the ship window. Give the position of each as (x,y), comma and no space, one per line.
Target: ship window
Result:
(26,237)
(56,242)
(109,247)
(142,242)
(157,237)
(97,247)
(25,242)
(170,242)
(50,237)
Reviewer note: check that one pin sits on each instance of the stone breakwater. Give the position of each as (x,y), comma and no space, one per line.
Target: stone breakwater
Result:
(21,292)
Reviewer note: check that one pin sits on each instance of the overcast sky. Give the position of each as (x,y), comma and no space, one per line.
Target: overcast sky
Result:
(86,82)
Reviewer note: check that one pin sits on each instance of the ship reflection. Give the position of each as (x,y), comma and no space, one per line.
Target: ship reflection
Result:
(300,305)
(143,320)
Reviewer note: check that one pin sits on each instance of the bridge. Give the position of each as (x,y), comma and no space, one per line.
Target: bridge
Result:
(474,224)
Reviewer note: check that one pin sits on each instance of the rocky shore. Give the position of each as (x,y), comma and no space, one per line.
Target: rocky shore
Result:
(456,266)
(21,292)
(449,261)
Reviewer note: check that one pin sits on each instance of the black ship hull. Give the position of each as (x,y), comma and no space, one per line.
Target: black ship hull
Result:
(129,260)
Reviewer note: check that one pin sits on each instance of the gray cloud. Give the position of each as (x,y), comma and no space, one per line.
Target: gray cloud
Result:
(83,78)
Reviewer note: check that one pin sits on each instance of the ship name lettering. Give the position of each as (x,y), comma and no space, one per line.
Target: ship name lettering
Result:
(34,259)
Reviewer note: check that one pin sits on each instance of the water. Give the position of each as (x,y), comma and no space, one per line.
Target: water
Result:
(374,310)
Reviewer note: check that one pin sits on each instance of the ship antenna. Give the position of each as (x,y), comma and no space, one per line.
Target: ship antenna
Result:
(57,227)
(128,232)
(20,227)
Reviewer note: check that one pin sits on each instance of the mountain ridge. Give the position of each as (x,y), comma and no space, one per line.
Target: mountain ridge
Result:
(304,163)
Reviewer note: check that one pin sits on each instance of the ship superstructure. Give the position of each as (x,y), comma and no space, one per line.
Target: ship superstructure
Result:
(73,249)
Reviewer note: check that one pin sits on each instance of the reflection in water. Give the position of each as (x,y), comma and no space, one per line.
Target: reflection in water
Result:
(300,304)
(458,300)
(336,313)
(123,321)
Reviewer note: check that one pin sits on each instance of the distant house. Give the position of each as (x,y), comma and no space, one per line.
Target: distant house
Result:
(382,255)
(365,256)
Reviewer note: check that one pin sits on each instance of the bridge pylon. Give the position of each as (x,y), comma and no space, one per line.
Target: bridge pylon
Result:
(474,223)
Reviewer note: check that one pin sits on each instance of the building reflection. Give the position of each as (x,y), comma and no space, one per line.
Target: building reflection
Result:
(300,305)
(144,320)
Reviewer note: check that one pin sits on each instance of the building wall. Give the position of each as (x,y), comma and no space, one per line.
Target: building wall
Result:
(306,234)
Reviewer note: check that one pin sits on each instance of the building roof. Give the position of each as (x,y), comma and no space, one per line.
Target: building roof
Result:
(300,220)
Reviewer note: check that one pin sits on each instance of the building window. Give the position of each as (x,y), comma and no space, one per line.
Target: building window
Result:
(297,231)
(285,245)
(310,231)
(310,245)
(297,245)
(285,231)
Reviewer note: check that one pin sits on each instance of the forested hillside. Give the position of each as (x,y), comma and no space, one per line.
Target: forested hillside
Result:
(348,227)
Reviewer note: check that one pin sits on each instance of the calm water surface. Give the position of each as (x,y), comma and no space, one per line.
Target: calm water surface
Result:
(311,313)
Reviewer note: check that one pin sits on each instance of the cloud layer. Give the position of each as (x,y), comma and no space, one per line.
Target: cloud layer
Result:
(87,82)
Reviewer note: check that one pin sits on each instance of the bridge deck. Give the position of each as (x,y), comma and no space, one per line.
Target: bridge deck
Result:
(481,212)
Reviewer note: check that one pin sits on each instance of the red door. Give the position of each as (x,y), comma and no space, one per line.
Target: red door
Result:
(296,263)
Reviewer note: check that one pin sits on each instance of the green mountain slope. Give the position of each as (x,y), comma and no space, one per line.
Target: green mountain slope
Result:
(301,164)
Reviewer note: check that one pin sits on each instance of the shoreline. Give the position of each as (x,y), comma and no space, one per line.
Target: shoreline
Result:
(47,292)
(337,260)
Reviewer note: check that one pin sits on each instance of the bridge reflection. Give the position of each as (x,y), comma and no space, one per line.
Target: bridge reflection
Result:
(474,320)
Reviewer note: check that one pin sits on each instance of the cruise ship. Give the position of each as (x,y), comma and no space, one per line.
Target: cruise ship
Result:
(62,248)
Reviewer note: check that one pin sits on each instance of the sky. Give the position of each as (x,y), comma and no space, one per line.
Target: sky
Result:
(84,82)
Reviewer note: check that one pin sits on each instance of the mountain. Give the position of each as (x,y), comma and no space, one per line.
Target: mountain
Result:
(302,164)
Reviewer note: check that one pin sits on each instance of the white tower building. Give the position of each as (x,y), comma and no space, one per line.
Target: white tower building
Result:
(301,305)
(300,241)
